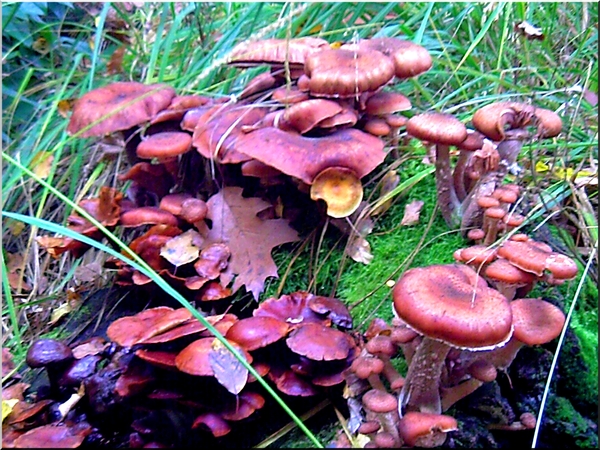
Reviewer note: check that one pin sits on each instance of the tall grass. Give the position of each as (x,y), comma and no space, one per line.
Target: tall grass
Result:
(56,52)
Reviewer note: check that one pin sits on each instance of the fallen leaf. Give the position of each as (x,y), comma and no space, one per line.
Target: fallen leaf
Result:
(182,249)
(115,63)
(7,362)
(359,249)
(412,212)
(64,107)
(388,183)
(228,370)
(250,239)
(59,313)
(7,407)
(41,164)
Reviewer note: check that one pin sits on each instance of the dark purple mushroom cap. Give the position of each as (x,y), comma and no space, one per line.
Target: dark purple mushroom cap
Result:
(47,351)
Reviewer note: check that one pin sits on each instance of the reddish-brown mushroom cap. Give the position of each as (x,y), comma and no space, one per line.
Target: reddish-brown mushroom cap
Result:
(128,103)
(419,429)
(386,102)
(276,51)
(319,342)
(146,215)
(213,422)
(130,330)
(533,258)
(453,304)
(409,59)
(257,332)
(536,321)
(294,309)
(379,401)
(167,144)
(305,157)
(306,115)
(194,359)
(495,119)
(437,128)
(503,271)
(344,73)
(53,436)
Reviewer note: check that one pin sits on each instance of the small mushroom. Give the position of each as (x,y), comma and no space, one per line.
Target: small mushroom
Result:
(535,322)
(340,189)
(419,429)
(443,130)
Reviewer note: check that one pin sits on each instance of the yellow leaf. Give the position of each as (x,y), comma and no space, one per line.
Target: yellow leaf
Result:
(41,46)
(541,167)
(65,106)
(41,164)
(7,407)
(60,312)
(182,249)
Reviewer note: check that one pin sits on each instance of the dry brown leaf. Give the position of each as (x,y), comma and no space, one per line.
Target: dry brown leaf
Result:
(115,64)
(412,211)
(359,250)
(182,249)
(228,370)
(249,238)
(388,183)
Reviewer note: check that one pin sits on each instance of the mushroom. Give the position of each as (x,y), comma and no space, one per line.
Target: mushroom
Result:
(320,343)
(409,59)
(305,158)
(381,406)
(418,429)
(344,73)
(443,130)
(340,189)
(451,306)
(55,356)
(535,321)
(118,106)
(506,277)
(257,332)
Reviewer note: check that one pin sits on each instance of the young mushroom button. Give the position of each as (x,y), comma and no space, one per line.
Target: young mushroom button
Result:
(451,306)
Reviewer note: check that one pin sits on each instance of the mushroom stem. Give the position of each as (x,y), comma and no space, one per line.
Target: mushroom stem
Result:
(508,150)
(502,357)
(447,199)
(450,395)
(421,390)
(458,175)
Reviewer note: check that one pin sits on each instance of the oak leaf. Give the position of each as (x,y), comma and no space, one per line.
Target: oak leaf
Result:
(250,239)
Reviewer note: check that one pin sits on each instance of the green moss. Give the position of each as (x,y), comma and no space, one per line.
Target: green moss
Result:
(566,420)
(393,246)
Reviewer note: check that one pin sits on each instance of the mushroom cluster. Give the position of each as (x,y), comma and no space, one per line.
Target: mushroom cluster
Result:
(456,326)
(486,154)
(164,361)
